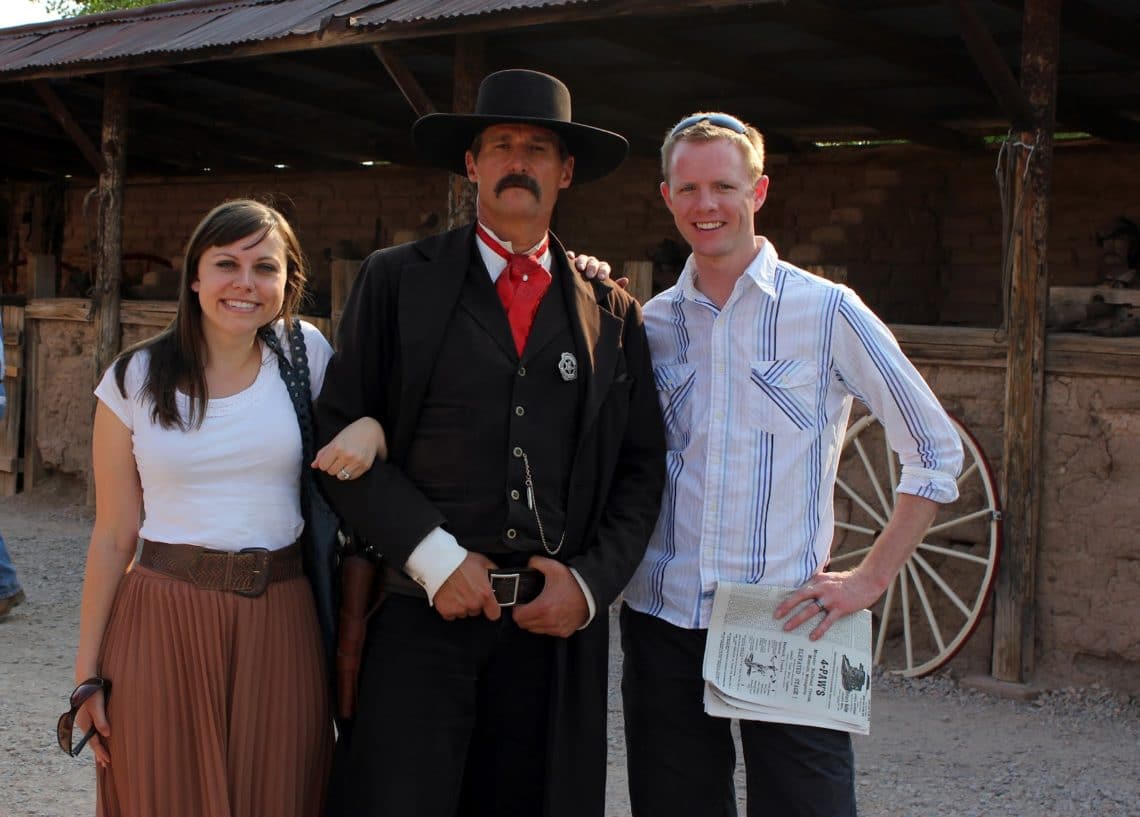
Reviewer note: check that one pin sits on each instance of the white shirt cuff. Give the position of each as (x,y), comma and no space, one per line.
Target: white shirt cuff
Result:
(936,485)
(435,558)
(589,598)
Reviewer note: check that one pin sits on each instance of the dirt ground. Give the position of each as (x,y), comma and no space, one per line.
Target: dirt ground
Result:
(935,747)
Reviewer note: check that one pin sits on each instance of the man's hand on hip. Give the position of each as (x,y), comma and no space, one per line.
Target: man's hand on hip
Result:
(467,591)
(560,608)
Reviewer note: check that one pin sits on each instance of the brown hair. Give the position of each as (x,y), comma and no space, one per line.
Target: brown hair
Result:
(177,352)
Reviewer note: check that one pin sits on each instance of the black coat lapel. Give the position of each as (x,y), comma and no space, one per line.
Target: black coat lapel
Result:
(481,301)
(597,334)
(429,292)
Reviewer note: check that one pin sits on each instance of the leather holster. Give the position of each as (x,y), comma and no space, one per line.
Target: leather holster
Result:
(360,596)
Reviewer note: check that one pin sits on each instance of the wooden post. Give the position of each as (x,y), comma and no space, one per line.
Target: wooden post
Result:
(470,65)
(109,240)
(640,275)
(33,465)
(13,374)
(41,275)
(1014,618)
(343,273)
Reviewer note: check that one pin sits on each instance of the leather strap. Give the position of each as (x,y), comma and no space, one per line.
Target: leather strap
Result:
(245,572)
(516,585)
(511,585)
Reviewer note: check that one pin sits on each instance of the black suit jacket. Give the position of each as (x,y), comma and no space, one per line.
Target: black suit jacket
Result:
(387,343)
(391,329)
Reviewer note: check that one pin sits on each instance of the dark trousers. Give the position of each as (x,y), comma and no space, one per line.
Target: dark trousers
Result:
(681,761)
(452,718)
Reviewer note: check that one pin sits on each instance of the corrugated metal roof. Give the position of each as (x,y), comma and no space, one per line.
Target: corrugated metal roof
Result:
(407,11)
(190,25)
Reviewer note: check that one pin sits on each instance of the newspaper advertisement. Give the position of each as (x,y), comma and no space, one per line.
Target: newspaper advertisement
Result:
(756,671)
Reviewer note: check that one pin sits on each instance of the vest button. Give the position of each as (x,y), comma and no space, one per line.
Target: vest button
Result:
(515,496)
(511,533)
(522,371)
(517,452)
(520,411)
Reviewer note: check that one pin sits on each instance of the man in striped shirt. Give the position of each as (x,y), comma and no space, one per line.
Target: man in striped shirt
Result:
(756,364)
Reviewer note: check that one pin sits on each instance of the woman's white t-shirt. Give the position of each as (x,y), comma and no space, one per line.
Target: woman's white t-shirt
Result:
(233,482)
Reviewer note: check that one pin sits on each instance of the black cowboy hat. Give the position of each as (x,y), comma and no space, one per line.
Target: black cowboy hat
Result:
(529,97)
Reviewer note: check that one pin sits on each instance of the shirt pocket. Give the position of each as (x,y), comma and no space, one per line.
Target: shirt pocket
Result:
(675,391)
(785,397)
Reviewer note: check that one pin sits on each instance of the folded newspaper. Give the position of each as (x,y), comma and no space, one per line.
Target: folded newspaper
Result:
(755,671)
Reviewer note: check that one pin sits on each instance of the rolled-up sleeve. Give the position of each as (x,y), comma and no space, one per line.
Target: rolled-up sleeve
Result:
(874,369)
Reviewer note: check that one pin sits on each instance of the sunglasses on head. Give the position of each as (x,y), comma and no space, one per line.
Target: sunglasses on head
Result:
(65,727)
(721,120)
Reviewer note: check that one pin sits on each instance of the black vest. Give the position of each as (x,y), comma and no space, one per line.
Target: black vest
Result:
(487,416)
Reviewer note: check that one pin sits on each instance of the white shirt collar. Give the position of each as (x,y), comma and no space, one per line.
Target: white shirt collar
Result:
(495,263)
(761,270)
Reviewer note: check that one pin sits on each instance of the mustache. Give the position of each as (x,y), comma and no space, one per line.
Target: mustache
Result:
(518,180)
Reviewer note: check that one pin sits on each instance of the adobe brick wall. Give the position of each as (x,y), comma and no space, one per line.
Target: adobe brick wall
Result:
(1088,569)
(918,232)
(341,215)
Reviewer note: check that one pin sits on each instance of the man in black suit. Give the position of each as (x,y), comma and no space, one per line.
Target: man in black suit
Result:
(525,476)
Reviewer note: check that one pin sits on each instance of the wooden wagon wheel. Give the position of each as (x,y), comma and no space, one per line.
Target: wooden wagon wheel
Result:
(935,602)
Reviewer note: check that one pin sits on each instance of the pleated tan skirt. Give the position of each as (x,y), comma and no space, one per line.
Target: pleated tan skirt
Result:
(219,704)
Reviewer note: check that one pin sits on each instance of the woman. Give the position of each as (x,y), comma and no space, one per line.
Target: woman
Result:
(220,702)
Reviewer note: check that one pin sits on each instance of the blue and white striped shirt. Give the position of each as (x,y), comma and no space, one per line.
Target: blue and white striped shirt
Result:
(756,398)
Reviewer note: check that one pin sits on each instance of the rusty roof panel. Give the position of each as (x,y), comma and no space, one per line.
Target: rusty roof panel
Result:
(101,42)
(406,11)
(23,48)
(250,24)
(185,26)
(190,25)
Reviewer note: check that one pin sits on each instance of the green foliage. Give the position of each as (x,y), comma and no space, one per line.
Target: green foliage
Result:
(75,8)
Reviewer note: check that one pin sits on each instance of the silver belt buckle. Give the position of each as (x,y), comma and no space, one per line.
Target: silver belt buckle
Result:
(505,576)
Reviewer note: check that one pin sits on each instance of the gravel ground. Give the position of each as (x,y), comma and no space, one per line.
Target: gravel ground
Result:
(935,748)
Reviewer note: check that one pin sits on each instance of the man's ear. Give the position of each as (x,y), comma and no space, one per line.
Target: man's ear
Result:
(567,173)
(760,193)
(665,195)
(472,173)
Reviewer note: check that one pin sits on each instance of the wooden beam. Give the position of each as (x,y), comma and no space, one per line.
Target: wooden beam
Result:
(407,83)
(255,147)
(1089,22)
(742,70)
(1014,613)
(470,67)
(210,97)
(61,115)
(33,463)
(15,380)
(1098,120)
(109,239)
(991,64)
(938,58)
(257,85)
(1093,23)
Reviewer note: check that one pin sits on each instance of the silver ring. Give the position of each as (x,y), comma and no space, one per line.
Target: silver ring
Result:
(344,474)
(819,604)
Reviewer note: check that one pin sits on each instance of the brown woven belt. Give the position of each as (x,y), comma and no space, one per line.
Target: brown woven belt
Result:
(245,572)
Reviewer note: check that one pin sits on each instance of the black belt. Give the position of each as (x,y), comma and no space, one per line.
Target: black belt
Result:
(516,585)
(511,585)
